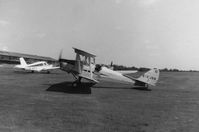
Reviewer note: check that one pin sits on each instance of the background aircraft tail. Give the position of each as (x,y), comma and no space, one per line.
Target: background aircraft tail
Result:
(22,61)
(151,77)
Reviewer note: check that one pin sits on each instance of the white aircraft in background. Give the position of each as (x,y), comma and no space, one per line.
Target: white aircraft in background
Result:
(84,67)
(37,66)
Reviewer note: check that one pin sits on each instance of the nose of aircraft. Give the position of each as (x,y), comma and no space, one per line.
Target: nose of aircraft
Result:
(62,64)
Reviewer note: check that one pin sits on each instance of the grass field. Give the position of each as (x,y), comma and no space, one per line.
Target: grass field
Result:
(48,103)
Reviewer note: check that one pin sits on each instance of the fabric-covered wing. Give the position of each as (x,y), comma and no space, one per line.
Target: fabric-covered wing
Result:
(86,75)
(84,53)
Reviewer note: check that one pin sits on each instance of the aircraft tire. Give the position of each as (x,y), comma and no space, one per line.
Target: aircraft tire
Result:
(74,84)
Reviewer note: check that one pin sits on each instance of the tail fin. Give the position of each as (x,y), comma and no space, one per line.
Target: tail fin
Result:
(151,77)
(22,61)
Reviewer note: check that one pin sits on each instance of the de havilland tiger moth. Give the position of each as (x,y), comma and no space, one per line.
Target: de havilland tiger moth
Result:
(84,67)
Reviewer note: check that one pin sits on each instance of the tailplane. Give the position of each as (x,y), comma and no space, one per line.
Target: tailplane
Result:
(151,77)
(22,61)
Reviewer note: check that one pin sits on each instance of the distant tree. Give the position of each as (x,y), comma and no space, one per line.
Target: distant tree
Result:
(143,69)
(175,70)
(164,70)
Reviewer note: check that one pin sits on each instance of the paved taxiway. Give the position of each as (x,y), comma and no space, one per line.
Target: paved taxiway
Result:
(47,102)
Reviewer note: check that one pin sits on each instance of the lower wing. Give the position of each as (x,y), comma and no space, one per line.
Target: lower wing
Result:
(89,78)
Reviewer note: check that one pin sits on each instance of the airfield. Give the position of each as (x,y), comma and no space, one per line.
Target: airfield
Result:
(48,103)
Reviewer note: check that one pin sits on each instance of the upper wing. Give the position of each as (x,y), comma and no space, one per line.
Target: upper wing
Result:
(126,72)
(84,53)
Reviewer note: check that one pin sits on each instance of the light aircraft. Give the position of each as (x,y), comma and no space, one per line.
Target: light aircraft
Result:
(84,67)
(37,66)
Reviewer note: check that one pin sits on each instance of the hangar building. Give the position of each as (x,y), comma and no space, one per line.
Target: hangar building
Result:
(13,58)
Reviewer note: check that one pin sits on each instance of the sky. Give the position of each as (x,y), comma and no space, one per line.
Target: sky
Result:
(141,33)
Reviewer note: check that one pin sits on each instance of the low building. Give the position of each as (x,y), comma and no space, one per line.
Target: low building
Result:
(13,58)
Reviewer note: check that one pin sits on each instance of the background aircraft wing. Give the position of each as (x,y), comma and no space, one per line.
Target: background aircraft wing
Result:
(52,68)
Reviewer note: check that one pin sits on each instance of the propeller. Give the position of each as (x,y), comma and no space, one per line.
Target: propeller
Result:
(60,55)
(60,59)
(64,62)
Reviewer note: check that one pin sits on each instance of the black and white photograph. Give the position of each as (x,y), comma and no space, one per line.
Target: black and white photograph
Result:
(99,65)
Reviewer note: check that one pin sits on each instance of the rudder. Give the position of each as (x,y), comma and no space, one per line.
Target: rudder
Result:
(151,77)
(22,61)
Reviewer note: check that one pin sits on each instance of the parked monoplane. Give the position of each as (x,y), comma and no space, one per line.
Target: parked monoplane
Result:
(37,66)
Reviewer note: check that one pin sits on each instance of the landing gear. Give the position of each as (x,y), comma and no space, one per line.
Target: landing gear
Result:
(146,86)
(32,71)
(77,82)
(48,72)
(141,86)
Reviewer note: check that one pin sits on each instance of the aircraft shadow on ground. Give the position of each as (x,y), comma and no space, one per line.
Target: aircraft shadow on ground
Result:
(141,88)
(22,72)
(29,72)
(67,87)
(134,87)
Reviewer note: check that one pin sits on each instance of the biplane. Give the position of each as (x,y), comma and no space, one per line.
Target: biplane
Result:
(84,66)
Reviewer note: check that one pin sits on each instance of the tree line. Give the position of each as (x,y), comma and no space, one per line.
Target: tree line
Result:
(121,67)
